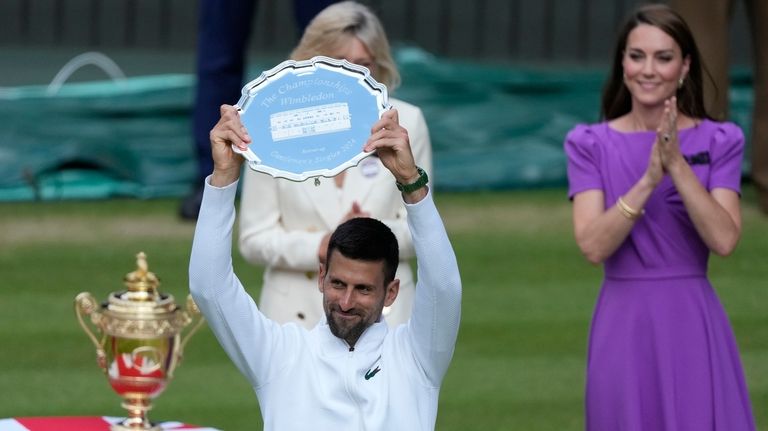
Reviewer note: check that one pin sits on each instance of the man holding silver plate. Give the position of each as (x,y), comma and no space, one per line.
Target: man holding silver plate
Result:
(351,371)
(309,118)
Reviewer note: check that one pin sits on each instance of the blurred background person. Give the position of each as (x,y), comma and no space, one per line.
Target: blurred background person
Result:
(710,21)
(285,225)
(655,189)
(224,27)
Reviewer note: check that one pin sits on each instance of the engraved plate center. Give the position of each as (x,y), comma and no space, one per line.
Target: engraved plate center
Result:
(310,121)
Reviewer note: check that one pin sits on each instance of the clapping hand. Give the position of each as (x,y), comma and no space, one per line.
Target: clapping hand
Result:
(666,136)
(666,149)
(355,211)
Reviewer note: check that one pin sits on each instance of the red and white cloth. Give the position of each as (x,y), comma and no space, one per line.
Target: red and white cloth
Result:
(80,423)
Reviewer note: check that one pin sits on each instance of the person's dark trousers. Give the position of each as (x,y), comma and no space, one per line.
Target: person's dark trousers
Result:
(224,28)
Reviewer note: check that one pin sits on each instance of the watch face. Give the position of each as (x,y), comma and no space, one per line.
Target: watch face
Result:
(310,118)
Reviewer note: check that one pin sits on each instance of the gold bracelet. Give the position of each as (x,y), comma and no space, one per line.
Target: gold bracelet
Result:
(627,211)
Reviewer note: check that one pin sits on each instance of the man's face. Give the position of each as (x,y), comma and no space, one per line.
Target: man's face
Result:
(354,294)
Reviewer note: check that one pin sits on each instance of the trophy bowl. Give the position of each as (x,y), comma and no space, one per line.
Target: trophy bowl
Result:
(140,340)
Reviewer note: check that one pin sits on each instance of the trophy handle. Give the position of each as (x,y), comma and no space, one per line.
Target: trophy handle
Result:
(86,304)
(196,317)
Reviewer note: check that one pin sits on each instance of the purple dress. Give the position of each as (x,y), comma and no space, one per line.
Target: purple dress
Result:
(662,355)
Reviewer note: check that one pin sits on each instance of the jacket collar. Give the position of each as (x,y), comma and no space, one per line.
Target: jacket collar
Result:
(371,339)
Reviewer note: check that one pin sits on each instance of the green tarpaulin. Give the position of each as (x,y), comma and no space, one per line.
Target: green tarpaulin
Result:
(492,127)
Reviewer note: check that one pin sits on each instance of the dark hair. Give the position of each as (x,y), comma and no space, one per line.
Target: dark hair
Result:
(366,239)
(617,100)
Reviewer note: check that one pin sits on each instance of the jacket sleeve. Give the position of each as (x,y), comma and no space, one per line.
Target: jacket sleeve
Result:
(263,239)
(250,339)
(434,323)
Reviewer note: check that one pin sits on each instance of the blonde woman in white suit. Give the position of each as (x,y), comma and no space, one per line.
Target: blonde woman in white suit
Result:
(285,225)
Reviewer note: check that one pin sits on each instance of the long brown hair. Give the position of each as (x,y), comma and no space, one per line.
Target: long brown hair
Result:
(617,100)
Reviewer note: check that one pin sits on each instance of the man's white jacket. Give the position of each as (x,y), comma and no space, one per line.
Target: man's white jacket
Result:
(312,380)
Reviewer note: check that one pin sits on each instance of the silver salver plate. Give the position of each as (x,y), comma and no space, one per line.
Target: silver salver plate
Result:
(310,118)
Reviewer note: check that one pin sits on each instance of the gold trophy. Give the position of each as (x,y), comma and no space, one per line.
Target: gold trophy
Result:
(141,341)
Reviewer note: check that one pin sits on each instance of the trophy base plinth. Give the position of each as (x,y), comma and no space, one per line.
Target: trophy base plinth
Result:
(124,427)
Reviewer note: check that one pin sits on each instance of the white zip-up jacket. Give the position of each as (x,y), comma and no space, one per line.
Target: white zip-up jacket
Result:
(312,380)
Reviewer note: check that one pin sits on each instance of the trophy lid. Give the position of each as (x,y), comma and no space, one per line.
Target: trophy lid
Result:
(141,283)
(140,311)
(141,299)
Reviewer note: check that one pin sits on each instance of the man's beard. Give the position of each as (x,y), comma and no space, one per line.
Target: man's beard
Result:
(347,333)
(350,333)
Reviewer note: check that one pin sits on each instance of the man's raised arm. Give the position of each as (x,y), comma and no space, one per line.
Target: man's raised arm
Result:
(245,334)
(436,314)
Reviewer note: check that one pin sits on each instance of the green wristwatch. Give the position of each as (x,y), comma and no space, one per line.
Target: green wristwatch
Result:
(419,183)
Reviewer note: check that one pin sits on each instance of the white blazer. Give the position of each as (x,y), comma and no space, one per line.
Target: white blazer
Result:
(282,223)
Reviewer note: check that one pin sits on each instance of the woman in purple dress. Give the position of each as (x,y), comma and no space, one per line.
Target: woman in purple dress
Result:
(655,189)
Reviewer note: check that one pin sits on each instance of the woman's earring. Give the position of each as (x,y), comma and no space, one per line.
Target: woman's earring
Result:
(680,82)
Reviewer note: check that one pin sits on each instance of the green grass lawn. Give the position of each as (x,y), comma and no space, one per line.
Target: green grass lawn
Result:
(519,362)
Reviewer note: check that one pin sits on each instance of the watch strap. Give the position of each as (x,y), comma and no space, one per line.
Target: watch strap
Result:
(419,183)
